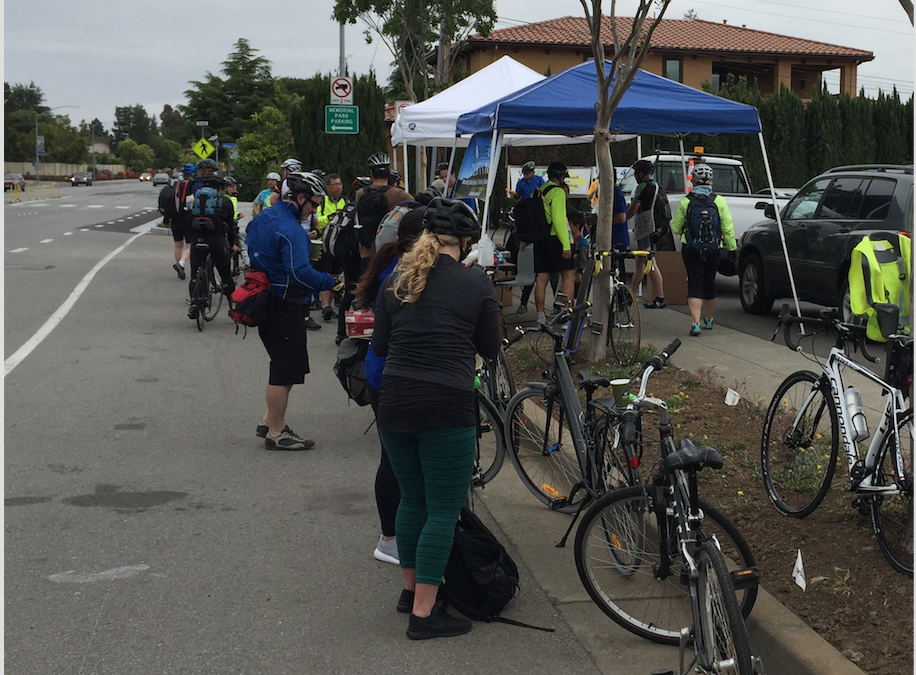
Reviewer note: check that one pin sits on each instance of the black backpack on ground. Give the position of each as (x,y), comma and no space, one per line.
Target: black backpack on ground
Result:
(531,223)
(703,226)
(350,369)
(480,576)
(370,211)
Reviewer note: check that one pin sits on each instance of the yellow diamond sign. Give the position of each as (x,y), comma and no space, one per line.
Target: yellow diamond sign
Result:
(203,148)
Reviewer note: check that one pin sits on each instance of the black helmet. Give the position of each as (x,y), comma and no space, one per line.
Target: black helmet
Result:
(318,172)
(644,166)
(441,166)
(379,159)
(528,166)
(303,182)
(557,170)
(213,181)
(452,216)
(394,175)
(230,180)
(207,164)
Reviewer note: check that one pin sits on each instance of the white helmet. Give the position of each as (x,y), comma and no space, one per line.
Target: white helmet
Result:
(274,175)
(702,174)
(292,165)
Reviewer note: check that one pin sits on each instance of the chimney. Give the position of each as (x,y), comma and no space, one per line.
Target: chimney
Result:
(724,21)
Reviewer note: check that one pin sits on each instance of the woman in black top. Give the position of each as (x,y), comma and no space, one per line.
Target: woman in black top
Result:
(432,317)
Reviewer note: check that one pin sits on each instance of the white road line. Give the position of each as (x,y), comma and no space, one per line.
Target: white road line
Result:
(120,220)
(94,206)
(66,206)
(67,234)
(45,241)
(122,207)
(110,222)
(84,229)
(100,226)
(62,311)
(19,250)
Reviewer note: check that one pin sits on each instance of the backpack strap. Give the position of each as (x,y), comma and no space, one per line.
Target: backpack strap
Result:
(520,624)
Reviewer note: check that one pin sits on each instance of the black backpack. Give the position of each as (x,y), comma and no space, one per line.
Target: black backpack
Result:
(663,237)
(370,210)
(530,217)
(167,205)
(703,226)
(480,576)
(340,240)
(350,369)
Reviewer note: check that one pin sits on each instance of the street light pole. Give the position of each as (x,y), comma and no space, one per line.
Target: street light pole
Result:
(43,112)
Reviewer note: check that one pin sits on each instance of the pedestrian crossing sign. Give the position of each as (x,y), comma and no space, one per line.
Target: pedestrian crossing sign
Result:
(203,148)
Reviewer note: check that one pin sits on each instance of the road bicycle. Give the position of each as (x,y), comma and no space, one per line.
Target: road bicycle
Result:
(624,329)
(811,413)
(207,292)
(661,562)
(565,454)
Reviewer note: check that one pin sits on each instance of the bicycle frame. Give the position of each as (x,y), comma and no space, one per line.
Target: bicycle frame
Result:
(893,407)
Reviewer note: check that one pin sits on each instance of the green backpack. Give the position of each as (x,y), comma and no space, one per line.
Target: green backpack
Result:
(879,273)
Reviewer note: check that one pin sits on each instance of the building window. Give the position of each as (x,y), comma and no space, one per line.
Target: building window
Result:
(673,69)
(716,81)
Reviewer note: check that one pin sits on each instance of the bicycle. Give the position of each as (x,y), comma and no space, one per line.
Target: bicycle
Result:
(207,292)
(564,454)
(656,558)
(810,413)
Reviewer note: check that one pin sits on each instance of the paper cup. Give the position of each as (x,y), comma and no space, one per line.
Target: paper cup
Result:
(618,386)
(731,397)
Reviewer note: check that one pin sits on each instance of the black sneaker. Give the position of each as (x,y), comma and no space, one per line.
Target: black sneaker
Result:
(658,303)
(261,430)
(328,313)
(311,324)
(405,602)
(287,440)
(438,624)
(180,271)
(192,312)
(339,339)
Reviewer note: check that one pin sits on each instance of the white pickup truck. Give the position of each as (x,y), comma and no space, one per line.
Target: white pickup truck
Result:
(729,179)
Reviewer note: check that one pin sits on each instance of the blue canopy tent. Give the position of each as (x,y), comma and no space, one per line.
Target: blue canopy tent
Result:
(564,104)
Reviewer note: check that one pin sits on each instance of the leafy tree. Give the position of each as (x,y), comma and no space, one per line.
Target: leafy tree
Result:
(22,97)
(890,123)
(824,131)
(175,127)
(629,52)
(263,150)
(782,117)
(136,157)
(858,129)
(19,136)
(135,123)
(410,30)
(691,14)
(168,153)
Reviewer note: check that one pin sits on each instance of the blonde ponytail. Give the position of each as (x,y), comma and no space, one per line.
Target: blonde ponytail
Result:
(414,266)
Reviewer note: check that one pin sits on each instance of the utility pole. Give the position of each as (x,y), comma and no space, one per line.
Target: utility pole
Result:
(342,66)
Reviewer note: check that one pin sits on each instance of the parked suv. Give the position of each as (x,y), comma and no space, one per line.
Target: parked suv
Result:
(823,222)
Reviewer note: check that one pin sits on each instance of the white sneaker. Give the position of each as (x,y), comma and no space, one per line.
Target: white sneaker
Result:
(387,551)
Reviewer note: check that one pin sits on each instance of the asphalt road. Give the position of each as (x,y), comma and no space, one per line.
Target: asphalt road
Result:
(147,529)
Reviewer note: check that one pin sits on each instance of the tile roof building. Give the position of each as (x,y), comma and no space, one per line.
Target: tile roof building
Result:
(690,51)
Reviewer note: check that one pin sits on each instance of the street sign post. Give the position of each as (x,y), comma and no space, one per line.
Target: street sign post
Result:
(341,119)
(342,91)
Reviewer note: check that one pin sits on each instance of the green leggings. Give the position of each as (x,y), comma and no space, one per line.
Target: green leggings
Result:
(433,469)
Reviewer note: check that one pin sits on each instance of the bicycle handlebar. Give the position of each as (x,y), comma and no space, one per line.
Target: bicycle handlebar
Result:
(828,318)
(562,316)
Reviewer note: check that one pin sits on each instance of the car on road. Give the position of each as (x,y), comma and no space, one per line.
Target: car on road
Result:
(162,179)
(81,178)
(146,176)
(822,224)
(11,179)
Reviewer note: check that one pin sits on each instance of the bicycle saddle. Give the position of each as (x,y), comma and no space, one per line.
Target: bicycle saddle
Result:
(592,382)
(690,457)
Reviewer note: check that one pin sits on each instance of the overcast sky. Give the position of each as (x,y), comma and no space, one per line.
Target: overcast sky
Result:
(98,54)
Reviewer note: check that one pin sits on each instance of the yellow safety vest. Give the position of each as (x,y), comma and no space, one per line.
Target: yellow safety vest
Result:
(879,272)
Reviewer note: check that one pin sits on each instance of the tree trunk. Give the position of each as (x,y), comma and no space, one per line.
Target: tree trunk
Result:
(596,345)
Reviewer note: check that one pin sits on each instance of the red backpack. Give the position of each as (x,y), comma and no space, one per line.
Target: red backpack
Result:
(250,302)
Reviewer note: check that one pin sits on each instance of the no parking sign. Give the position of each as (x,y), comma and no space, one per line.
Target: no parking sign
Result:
(341,91)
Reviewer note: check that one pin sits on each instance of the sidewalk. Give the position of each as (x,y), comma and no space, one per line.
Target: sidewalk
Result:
(754,368)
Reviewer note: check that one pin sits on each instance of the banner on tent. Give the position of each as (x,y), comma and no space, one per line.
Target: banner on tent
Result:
(579,178)
(475,168)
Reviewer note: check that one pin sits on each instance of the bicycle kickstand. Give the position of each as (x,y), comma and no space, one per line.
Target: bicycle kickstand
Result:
(562,542)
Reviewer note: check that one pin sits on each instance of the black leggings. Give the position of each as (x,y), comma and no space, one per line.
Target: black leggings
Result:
(701,272)
(387,490)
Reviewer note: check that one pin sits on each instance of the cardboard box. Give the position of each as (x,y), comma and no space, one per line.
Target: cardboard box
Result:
(674,276)
(359,322)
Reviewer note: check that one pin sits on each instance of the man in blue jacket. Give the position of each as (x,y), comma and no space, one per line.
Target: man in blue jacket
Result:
(279,246)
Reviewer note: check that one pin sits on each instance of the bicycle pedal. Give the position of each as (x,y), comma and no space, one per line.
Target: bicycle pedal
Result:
(861,505)
(557,504)
(746,578)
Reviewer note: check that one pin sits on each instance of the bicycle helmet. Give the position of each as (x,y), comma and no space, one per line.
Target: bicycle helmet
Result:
(305,183)
(441,166)
(528,167)
(274,175)
(213,181)
(207,164)
(644,166)
(452,216)
(557,170)
(292,165)
(394,176)
(318,172)
(189,169)
(702,174)
(230,180)
(379,159)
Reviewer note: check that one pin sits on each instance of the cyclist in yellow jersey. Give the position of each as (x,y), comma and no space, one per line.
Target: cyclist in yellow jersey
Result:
(332,203)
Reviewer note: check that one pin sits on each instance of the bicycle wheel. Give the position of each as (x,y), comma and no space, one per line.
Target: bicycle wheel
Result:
(617,554)
(624,331)
(721,639)
(892,515)
(491,450)
(214,292)
(799,446)
(199,296)
(502,386)
(615,468)
(540,445)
